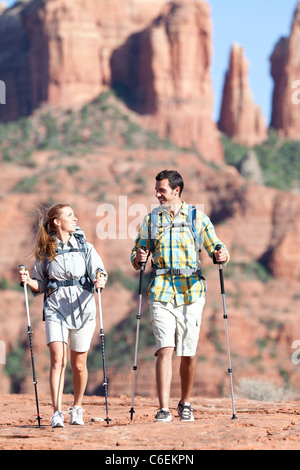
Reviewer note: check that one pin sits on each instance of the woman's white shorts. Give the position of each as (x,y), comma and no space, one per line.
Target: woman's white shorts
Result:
(80,340)
(177,327)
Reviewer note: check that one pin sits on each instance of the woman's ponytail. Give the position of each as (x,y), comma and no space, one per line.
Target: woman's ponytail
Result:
(46,238)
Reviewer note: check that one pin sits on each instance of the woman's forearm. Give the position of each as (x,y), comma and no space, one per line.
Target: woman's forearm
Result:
(33,284)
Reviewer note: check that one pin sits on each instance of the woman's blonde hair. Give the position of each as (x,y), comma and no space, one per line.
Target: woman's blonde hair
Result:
(46,243)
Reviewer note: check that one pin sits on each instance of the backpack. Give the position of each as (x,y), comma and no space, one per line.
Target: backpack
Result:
(84,281)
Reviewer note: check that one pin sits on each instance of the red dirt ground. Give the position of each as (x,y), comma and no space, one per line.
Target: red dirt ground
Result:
(260,426)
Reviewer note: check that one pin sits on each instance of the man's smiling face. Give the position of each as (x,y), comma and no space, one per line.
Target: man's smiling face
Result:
(165,194)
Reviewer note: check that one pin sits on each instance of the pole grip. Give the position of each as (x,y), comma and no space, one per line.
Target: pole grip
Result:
(142,265)
(218,248)
(22,268)
(221,279)
(141,280)
(98,275)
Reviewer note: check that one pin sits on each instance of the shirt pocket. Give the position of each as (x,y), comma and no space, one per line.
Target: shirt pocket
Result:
(76,264)
(187,249)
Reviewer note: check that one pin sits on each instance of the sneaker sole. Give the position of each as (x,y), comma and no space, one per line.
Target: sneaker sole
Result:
(163,420)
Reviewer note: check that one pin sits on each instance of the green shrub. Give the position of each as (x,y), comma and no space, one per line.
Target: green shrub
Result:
(27,185)
(279,160)
(15,367)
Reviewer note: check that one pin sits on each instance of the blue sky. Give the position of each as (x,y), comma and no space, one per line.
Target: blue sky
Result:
(8,2)
(256,25)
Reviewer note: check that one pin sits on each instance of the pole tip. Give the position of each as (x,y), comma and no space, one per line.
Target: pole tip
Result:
(131,411)
(39,421)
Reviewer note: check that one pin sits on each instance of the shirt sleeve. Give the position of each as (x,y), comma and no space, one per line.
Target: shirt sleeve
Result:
(209,237)
(94,262)
(38,274)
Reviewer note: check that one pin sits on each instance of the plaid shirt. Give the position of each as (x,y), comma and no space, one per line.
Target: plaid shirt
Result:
(174,247)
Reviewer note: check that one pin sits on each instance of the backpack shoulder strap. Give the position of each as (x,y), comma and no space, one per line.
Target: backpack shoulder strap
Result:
(81,240)
(154,227)
(192,222)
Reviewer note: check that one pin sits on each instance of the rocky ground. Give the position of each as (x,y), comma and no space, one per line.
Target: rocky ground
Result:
(259,426)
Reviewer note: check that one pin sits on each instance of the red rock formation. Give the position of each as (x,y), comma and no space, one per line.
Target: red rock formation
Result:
(71,69)
(282,258)
(166,67)
(14,64)
(78,38)
(240,118)
(58,51)
(285,69)
(164,74)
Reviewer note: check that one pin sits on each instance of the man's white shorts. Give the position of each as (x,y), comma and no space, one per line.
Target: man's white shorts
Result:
(177,327)
(80,340)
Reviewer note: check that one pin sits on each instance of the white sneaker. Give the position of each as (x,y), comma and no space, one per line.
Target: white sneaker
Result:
(163,416)
(57,420)
(76,415)
(185,412)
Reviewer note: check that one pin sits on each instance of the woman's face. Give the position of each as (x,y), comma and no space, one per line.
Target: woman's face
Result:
(67,221)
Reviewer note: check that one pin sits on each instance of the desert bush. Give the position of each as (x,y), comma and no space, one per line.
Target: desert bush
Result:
(262,390)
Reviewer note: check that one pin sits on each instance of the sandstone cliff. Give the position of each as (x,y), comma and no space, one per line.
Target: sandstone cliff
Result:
(164,73)
(285,69)
(65,53)
(58,51)
(240,118)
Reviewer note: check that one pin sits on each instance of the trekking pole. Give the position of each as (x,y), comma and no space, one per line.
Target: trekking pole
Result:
(24,284)
(131,411)
(98,273)
(225,316)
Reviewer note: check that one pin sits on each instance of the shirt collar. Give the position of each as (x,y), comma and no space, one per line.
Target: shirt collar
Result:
(184,209)
(72,242)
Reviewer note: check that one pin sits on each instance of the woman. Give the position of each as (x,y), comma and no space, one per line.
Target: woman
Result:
(61,271)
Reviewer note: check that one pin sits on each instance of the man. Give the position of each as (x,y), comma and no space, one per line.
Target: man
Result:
(174,233)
